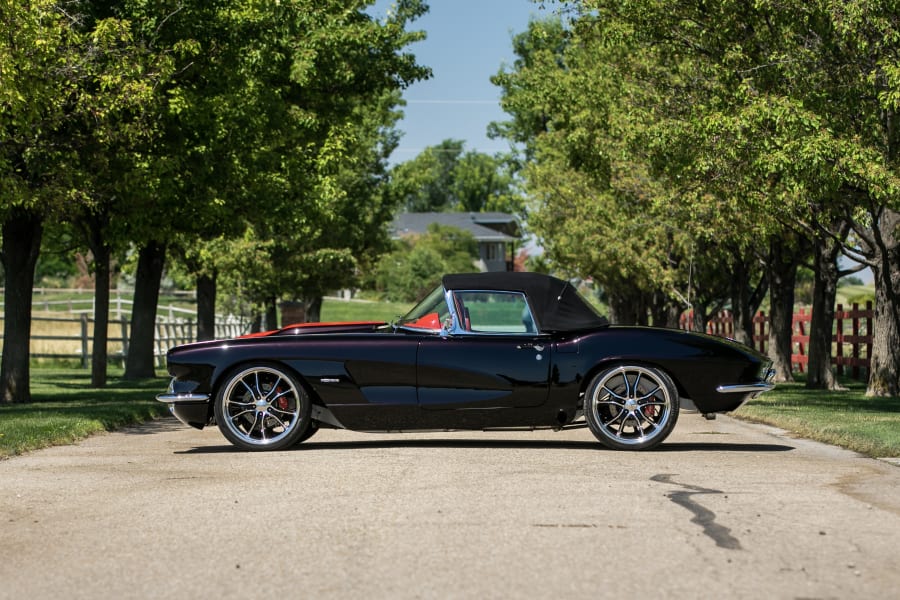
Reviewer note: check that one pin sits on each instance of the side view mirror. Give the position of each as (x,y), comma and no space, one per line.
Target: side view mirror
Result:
(447,326)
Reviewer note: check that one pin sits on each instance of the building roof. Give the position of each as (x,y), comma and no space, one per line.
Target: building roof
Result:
(483,226)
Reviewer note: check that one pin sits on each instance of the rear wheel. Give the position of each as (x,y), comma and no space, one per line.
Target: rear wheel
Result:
(631,407)
(263,407)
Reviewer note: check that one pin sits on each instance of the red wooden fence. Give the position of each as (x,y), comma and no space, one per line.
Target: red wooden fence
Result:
(851,340)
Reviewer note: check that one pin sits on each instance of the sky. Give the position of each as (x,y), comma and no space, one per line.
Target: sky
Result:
(467,42)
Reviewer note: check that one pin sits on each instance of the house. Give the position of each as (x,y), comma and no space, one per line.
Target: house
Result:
(496,233)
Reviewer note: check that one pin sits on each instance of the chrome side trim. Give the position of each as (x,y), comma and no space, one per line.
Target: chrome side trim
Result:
(174,398)
(746,388)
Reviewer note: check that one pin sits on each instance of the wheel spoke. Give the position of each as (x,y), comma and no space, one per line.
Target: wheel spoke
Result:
(236,415)
(636,386)
(639,415)
(605,400)
(645,396)
(280,422)
(252,425)
(272,389)
(615,395)
(622,424)
(273,409)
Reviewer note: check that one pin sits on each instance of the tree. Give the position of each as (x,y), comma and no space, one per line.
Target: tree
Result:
(275,111)
(597,207)
(446,177)
(70,86)
(755,120)
(315,98)
(800,97)
(32,52)
(416,263)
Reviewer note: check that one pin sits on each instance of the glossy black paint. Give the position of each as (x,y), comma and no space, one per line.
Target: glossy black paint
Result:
(389,380)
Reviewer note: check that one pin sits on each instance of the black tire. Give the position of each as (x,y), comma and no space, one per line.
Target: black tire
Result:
(312,430)
(631,407)
(263,407)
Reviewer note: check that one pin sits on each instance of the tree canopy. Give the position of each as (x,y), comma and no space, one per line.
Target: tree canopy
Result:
(196,126)
(669,139)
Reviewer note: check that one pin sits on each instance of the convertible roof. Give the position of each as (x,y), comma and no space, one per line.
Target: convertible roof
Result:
(557,304)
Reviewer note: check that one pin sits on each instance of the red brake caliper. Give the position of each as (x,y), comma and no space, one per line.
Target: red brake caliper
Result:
(651,411)
(282,402)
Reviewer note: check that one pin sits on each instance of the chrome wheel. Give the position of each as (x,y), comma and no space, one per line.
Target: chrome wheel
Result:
(262,407)
(631,407)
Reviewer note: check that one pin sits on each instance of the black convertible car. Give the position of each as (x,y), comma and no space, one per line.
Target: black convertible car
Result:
(481,351)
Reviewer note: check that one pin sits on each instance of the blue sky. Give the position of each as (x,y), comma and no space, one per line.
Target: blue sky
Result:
(468,41)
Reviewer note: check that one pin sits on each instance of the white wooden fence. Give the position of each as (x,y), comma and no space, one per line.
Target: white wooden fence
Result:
(69,336)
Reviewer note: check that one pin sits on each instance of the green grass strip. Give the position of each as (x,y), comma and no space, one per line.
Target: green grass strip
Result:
(66,409)
(849,419)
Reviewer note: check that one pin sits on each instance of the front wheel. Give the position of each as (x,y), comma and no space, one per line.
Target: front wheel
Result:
(263,407)
(631,407)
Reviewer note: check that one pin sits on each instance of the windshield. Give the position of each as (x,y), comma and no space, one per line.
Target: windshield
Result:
(429,313)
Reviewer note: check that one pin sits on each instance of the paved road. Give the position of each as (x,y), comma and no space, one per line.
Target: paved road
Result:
(724,509)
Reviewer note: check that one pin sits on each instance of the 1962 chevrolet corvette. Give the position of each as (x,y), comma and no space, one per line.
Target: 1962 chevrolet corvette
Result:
(481,351)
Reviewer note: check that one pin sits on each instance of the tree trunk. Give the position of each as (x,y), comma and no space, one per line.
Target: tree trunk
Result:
(101,313)
(884,378)
(664,312)
(699,317)
(271,314)
(139,363)
(313,309)
(740,305)
(745,300)
(628,309)
(22,233)
(821,327)
(206,307)
(782,269)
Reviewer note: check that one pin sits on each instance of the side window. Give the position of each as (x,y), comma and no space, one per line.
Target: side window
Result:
(495,312)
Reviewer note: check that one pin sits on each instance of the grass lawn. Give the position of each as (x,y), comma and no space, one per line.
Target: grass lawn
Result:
(360,310)
(66,409)
(870,426)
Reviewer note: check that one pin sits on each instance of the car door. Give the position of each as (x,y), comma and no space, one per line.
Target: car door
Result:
(492,357)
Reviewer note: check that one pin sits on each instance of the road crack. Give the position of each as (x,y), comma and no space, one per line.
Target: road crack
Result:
(704,517)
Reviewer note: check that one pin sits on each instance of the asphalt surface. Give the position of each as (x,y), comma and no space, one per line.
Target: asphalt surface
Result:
(722,509)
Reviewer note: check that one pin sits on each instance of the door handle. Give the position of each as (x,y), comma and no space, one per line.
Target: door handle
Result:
(535,347)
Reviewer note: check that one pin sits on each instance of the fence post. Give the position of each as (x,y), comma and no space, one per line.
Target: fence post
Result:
(869,315)
(801,330)
(839,339)
(855,341)
(84,341)
(762,331)
(124,324)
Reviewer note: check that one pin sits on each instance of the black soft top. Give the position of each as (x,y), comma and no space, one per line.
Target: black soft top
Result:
(556,303)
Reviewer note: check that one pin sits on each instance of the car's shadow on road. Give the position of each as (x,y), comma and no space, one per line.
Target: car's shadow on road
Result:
(501,444)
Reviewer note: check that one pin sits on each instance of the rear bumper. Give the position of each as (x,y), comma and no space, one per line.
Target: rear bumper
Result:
(745,388)
(755,388)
